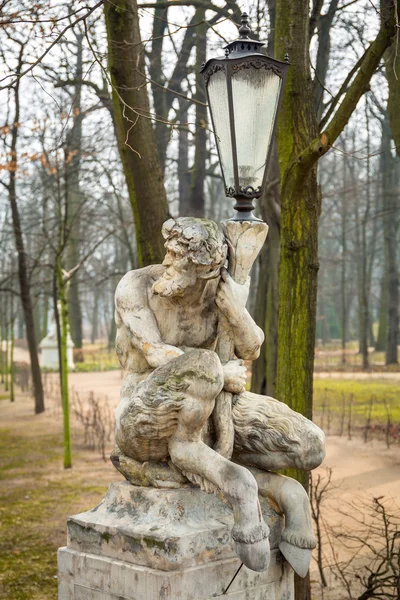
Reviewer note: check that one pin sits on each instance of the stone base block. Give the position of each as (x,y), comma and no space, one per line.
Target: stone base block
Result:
(157,544)
(89,577)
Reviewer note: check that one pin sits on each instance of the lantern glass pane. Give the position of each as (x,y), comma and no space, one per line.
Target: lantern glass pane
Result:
(255,98)
(218,100)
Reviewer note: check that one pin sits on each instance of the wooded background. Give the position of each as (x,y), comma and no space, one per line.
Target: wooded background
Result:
(104,133)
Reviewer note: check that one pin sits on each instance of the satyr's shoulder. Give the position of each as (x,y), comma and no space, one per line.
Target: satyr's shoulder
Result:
(136,284)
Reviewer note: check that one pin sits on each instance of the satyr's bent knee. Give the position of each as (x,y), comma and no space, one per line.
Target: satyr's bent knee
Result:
(204,371)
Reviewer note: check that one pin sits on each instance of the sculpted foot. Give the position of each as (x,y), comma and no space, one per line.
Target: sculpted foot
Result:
(298,558)
(252,547)
(296,546)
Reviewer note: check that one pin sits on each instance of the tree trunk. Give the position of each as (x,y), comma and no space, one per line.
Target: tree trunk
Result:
(364,316)
(160,97)
(45,315)
(21,328)
(2,336)
(393,77)
(381,339)
(22,262)
(343,308)
(12,341)
(390,218)
(263,379)
(183,160)
(62,334)
(323,55)
(111,334)
(196,204)
(135,134)
(360,234)
(73,194)
(6,362)
(300,208)
(95,322)
(266,314)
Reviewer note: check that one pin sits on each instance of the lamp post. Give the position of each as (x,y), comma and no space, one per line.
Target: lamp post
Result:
(244,92)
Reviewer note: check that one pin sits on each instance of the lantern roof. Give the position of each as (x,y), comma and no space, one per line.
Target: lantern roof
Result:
(244,44)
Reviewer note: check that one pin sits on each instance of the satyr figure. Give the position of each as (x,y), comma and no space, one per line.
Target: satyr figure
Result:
(184,415)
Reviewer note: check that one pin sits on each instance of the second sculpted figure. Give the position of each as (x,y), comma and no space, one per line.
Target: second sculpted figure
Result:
(184,416)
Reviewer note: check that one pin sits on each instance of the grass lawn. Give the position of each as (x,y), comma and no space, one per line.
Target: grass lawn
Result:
(36,497)
(332,392)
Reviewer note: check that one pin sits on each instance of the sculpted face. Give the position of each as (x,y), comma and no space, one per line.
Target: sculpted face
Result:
(195,250)
(180,273)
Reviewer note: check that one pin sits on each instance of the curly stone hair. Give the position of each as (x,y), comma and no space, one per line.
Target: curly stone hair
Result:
(199,240)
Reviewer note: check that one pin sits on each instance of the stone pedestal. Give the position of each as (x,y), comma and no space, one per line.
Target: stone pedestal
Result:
(152,544)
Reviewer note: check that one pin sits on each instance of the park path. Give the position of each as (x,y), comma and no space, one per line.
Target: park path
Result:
(358,468)
(392,376)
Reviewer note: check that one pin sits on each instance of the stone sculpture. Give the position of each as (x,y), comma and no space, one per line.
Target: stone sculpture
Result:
(49,347)
(184,417)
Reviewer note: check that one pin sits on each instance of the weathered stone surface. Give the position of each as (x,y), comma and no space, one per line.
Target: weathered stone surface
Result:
(183,334)
(49,348)
(185,418)
(162,529)
(92,577)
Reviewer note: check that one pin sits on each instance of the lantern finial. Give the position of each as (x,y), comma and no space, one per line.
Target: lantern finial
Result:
(245,28)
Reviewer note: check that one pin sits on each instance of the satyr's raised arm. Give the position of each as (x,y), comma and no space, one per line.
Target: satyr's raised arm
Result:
(132,308)
(231,300)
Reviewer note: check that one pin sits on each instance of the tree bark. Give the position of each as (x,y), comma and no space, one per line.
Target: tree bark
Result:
(95,322)
(22,259)
(390,231)
(322,63)
(6,347)
(393,77)
(343,307)
(381,339)
(160,97)
(12,346)
(263,379)
(62,335)
(196,205)
(300,208)
(300,148)
(135,134)
(73,153)
(183,160)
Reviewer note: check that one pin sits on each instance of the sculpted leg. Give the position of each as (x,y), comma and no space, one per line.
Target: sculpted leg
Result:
(270,436)
(297,539)
(196,460)
(162,418)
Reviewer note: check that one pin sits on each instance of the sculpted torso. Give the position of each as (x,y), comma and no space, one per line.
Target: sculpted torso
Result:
(180,324)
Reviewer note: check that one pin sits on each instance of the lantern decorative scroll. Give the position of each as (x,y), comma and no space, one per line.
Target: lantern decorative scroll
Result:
(244,91)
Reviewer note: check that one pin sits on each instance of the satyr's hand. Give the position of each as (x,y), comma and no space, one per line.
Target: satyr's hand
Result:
(231,297)
(234,376)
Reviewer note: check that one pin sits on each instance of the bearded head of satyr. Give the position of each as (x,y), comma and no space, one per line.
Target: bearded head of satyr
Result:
(195,250)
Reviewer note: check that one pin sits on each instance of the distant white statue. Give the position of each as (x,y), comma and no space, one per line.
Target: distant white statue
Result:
(49,347)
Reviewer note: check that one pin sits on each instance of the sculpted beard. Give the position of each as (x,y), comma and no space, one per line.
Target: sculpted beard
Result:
(168,286)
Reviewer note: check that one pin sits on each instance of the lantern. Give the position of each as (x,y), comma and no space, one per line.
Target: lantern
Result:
(244,91)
